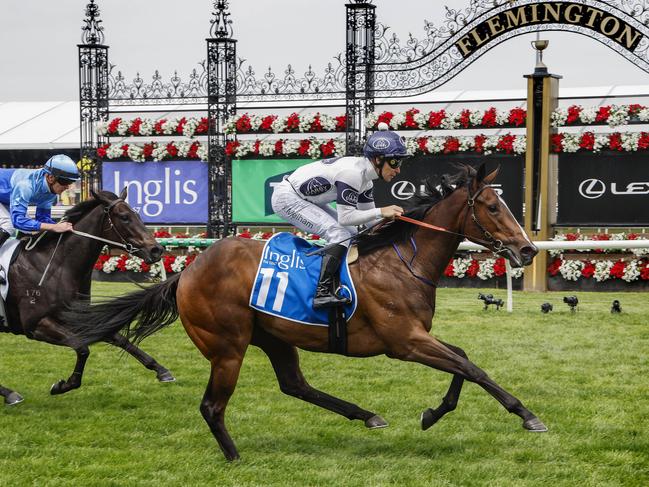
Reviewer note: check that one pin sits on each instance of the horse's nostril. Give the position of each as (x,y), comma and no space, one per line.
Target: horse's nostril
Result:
(156,252)
(528,252)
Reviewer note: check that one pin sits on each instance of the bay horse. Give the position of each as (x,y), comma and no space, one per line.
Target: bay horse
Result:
(33,308)
(396,302)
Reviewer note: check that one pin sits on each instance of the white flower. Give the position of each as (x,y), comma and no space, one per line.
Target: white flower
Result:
(146,128)
(475,117)
(110,265)
(102,128)
(630,141)
(371,120)
(603,270)
(643,114)
(486,269)
(460,266)
(136,152)
(122,127)
(134,264)
(570,142)
(179,263)
(571,269)
(156,269)
(559,117)
(631,271)
(397,120)
(189,129)
(588,115)
(520,144)
(114,151)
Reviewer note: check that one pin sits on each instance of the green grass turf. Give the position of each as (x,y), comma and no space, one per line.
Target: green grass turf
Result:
(584,374)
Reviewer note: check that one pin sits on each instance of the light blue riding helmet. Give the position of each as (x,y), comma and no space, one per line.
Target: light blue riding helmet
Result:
(62,167)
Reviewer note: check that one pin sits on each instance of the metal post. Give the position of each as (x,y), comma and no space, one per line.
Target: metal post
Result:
(359,82)
(93,96)
(540,164)
(221,104)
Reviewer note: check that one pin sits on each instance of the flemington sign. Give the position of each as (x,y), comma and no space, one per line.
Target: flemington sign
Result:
(569,13)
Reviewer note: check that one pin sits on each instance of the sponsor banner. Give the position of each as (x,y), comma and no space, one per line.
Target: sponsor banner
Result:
(509,183)
(603,190)
(253,181)
(166,192)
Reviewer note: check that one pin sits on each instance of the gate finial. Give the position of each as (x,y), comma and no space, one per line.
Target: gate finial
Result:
(221,26)
(93,32)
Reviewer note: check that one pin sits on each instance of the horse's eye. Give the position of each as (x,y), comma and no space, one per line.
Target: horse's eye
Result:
(492,208)
(124,218)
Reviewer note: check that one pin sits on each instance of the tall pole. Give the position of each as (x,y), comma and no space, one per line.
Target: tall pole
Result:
(221,104)
(359,61)
(93,96)
(540,164)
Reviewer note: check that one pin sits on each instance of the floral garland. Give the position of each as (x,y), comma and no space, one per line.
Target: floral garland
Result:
(588,141)
(613,115)
(293,123)
(314,148)
(600,270)
(572,237)
(482,269)
(189,127)
(414,119)
(154,151)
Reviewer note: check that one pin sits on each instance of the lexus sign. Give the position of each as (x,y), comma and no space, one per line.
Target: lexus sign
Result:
(609,189)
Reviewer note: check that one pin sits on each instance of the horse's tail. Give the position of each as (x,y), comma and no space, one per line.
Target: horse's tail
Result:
(152,308)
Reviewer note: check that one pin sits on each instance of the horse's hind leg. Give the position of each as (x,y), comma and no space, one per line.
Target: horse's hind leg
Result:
(162,373)
(431,416)
(11,397)
(286,363)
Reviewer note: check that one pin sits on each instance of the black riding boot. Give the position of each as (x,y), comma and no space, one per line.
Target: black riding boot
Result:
(325,294)
(4,235)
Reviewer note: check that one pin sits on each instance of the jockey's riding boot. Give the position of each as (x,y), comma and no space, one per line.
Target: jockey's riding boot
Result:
(4,235)
(325,294)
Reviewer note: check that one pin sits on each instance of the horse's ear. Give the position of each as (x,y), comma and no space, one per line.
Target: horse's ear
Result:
(489,178)
(122,195)
(93,194)
(481,173)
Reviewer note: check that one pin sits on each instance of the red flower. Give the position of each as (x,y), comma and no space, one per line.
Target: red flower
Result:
(147,150)
(144,267)
(113,125)
(341,123)
(384,117)
(571,237)
(617,271)
(478,142)
(473,269)
(182,235)
(644,271)
(172,150)
(451,144)
(134,129)
(328,148)
(634,109)
(421,144)
(603,113)
(231,147)
(279,147)
(267,123)
(255,147)
(643,141)
(587,141)
(506,143)
(266,235)
(410,119)
(245,234)
(573,114)
(99,265)
(162,233)
(157,127)
(448,272)
(125,150)
(121,263)
(517,116)
(316,125)
(435,119)
(293,123)
(203,126)
(588,270)
(615,142)
(465,118)
(632,236)
(243,124)
(192,153)
(181,125)
(190,258)
(553,268)
(489,118)
(305,145)
(499,267)
(101,151)
(167,260)
(557,142)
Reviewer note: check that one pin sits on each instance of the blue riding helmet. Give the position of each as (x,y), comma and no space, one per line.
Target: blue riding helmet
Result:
(62,167)
(385,143)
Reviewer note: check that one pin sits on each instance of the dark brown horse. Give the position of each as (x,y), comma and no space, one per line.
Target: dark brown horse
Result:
(33,308)
(396,304)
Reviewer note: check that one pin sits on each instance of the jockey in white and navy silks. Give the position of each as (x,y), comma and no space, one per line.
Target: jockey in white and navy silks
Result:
(303,199)
(20,188)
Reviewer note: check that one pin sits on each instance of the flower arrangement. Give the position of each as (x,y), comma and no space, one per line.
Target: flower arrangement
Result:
(462,267)
(414,119)
(293,123)
(588,141)
(612,115)
(154,151)
(189,127)
(601,270)
(571,237)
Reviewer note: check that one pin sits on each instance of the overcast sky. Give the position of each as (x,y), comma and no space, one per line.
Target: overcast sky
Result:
(38,39)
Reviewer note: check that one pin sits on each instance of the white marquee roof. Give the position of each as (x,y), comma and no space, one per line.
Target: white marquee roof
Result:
(55,125)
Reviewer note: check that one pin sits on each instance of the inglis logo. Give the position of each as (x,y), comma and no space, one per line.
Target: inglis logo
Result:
(594,188)
(283,261)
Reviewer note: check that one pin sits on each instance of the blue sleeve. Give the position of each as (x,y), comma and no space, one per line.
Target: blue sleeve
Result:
(44,213)
(20,197)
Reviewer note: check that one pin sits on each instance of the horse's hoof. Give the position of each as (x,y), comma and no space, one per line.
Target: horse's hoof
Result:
(428,418)
(13,398)
(535,425)
(58,388)
(166,376)
(376,422)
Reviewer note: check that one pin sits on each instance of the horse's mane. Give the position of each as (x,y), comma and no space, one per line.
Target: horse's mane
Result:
(436,189)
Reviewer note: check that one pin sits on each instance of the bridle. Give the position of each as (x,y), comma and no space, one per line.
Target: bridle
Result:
(489,240)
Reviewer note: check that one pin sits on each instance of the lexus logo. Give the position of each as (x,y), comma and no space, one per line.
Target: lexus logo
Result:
(403,190)
(592,188)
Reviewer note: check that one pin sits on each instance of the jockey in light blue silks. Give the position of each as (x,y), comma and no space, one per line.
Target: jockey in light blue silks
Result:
(20,188)
(303,199)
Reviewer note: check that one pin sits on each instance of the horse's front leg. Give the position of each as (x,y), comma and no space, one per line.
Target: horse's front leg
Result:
(50,331)
(162,373)
(427,350)
(11,397)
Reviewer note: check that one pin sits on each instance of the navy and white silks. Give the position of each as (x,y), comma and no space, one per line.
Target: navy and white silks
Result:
(303,199)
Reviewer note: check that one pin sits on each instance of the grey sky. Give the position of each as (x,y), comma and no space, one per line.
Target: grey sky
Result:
(38,39)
